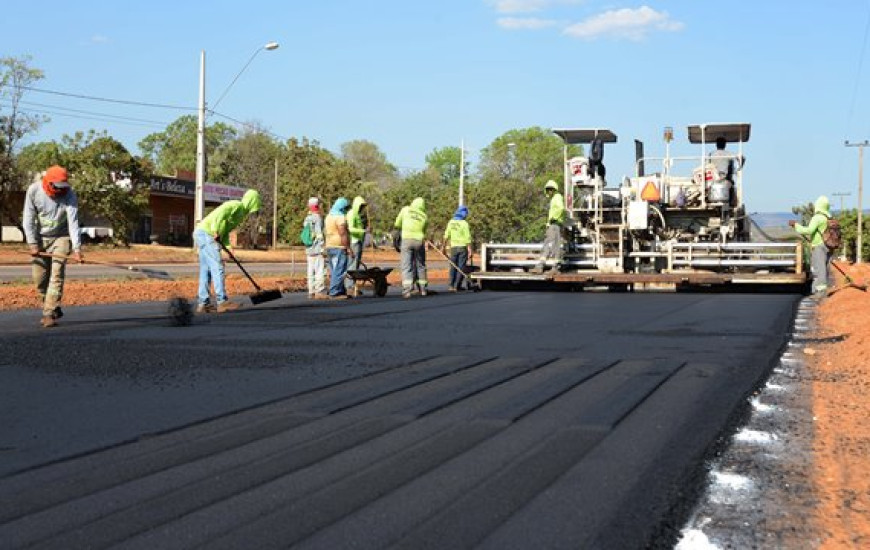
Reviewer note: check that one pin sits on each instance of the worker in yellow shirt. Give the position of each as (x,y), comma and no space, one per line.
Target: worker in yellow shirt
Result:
(458,234)
(552,248)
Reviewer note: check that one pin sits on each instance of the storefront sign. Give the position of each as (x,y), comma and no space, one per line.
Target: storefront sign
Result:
(212,192)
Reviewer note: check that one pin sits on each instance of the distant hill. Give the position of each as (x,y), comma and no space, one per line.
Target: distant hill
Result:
(772,219)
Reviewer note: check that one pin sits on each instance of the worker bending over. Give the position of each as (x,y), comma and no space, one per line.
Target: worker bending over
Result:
(211,232)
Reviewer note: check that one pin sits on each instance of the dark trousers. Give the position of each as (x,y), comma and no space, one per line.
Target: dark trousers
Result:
(459,256)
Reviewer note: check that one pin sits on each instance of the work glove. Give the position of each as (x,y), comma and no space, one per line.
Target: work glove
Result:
(34,250)
(77,254)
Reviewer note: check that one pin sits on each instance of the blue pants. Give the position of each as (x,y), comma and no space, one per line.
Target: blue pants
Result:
(211,268)
(337,270)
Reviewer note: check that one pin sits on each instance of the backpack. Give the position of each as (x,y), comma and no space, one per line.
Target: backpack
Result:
(307,235)
(832,236)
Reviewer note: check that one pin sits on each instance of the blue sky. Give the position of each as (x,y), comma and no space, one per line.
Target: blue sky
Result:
(411,75)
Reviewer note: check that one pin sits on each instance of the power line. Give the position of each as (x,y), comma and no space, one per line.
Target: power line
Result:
(247,125)
(96,118)
(81,111)
(106,99)
(858,74)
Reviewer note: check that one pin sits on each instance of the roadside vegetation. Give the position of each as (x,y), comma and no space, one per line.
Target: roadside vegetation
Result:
(113,184)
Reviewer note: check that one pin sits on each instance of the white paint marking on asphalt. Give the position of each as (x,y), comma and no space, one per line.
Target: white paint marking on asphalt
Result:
(774,387)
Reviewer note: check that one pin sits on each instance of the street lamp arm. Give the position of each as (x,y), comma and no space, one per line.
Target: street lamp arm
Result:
(270,46)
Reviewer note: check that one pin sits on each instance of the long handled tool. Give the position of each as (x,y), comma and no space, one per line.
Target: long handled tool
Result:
(150,273)
(849,281)
(261,295)
(474,285)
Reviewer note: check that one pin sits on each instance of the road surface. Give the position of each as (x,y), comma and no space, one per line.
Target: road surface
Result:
(487,420)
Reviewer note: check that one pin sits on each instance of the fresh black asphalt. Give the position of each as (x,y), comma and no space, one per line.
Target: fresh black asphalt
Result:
(488,420)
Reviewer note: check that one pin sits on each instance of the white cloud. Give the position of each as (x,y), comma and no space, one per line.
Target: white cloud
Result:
(527,6)
(525,23)
(631,24)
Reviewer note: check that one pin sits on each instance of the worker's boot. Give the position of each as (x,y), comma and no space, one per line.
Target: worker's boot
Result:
(538,269)
(205,308)
(48,321)
(227,306)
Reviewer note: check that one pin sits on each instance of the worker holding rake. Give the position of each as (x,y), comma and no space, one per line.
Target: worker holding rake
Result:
(820,258)
(51,227)
(213,230)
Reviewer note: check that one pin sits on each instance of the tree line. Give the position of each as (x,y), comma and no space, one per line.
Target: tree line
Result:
(503,191)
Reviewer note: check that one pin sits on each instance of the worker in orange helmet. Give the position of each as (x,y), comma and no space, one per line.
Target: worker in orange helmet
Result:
(51,228)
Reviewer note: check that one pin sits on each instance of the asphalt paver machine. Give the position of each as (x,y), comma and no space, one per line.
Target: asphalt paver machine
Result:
(679,221)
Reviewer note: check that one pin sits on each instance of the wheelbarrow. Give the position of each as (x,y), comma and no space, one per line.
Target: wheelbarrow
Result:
(374,275)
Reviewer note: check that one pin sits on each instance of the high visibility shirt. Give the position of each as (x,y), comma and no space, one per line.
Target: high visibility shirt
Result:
(356,226)
(413,222)
(226,217)
(817,226)
(557,210)
(458,233)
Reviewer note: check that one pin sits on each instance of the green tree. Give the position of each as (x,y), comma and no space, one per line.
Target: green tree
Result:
(250,163)
(510,188)
(370,163)
(175,147)
(306,169)
(16,76)
(531,155)
(507,211)
(441,201)
(110,183)
(849,227)
(446,162)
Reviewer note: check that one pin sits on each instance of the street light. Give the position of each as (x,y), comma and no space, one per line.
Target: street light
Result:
(461,172)
(199,206)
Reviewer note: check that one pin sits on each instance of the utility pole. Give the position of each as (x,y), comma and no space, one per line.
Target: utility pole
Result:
(841,195)
(199,205)
(860,146)
(275,209)
(843,252)
(462,172)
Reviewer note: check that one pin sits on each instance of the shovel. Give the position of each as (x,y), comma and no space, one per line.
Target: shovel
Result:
(261,295)
(150,273)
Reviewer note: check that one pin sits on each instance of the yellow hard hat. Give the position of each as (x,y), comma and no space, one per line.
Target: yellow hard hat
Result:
(551,185)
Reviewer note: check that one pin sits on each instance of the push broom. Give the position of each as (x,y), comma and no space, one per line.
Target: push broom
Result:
(261,295)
